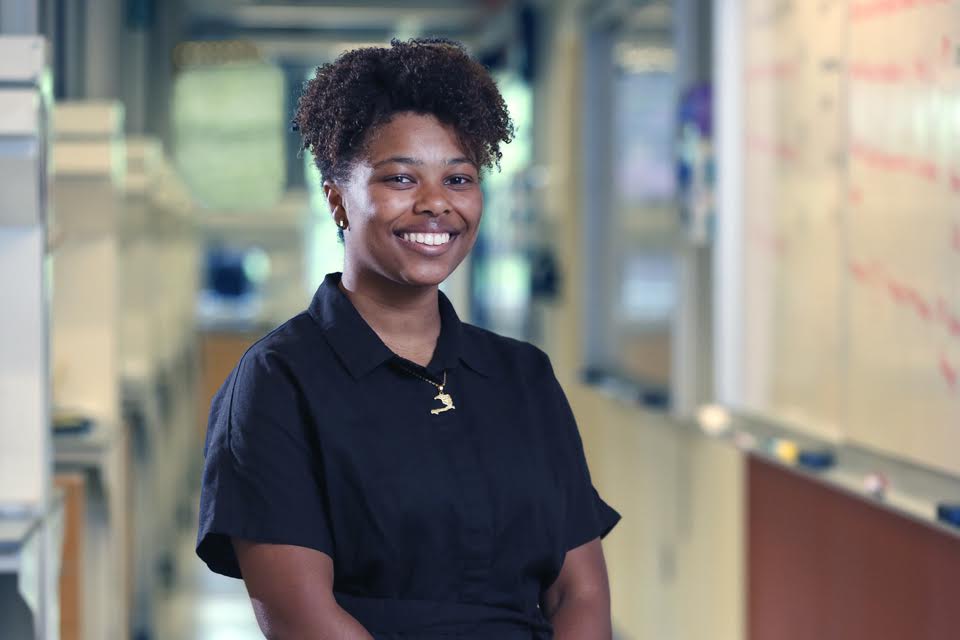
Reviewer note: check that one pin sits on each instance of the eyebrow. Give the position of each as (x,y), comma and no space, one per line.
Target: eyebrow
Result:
(416,162)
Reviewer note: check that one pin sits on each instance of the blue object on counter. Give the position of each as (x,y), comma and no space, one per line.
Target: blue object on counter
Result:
(71,425)
(818,459)
(225,274)
(949,513)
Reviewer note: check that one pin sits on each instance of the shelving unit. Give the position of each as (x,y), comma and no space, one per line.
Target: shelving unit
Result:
(30,512)
(89,168)
(30,545)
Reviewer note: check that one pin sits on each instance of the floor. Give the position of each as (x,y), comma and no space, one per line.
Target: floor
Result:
(204,605)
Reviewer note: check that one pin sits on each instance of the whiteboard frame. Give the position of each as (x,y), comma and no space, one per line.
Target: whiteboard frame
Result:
(728,264)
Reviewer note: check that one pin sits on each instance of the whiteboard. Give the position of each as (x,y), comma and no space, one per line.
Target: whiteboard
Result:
(850,267)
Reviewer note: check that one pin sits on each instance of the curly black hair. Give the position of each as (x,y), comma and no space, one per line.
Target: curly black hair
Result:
(363,88)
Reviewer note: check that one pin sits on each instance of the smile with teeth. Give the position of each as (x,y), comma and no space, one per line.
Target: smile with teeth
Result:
(431,239)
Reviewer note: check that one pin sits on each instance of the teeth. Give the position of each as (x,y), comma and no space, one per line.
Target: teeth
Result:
(430,239)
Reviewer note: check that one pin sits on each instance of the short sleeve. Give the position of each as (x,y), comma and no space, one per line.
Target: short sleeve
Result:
(262,478)
(586,515)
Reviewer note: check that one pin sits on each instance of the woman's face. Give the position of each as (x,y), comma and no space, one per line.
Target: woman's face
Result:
(412,202)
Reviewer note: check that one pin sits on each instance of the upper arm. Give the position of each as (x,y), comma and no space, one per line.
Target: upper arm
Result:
(583,577)
(291,587)
(578,600)
(263,474)
(586,516)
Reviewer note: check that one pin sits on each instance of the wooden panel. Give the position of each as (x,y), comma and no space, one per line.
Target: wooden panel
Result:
(74,490)
(219,354)
(826,565)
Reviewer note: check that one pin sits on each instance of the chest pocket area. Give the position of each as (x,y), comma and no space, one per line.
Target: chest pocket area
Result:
(528,496)
(396,499)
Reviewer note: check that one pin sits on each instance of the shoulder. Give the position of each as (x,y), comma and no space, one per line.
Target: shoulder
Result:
(277,365)
(522,365)
(507,355)
(288,347)
(287,340)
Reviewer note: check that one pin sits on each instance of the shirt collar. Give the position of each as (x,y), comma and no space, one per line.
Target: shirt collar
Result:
(361,350)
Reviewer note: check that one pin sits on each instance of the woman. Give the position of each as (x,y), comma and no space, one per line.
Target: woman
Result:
(374,467)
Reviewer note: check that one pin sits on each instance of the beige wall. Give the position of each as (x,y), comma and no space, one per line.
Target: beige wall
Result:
(676,559)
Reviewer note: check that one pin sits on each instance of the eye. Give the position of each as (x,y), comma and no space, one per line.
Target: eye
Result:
(459,181)
(401,179)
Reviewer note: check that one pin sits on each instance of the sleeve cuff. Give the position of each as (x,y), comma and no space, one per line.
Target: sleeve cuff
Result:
(607,516)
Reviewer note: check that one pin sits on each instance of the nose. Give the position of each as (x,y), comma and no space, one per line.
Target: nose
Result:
(432,201)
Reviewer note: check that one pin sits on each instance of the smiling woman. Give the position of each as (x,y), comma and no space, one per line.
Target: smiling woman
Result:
(376,468)
(410,205)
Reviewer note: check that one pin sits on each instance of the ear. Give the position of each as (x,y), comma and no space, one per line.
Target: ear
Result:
(335,201)
(333,195)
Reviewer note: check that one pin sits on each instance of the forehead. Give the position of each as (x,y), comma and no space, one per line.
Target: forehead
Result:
(414,135)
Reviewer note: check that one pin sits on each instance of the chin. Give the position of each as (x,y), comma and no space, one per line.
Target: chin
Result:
(426,275)
(429,278)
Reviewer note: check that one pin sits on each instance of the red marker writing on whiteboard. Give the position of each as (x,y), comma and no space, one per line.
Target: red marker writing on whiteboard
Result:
(949,371)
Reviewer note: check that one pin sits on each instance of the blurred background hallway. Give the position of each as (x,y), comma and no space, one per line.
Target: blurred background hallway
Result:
(732,224)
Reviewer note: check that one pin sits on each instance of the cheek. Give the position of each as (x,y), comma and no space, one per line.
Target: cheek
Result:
(387,205)
(470,206)
(368,202)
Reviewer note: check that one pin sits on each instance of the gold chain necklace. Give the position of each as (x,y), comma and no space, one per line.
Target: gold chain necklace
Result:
(441,396)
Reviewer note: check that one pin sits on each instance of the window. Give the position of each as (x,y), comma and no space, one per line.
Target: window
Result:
(630,207)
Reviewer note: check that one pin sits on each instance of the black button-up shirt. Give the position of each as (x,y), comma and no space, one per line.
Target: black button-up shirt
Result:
(439,525)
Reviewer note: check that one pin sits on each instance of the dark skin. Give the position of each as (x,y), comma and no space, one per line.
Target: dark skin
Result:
(413,177)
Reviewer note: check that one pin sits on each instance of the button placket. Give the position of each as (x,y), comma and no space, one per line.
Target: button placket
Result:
(476,506)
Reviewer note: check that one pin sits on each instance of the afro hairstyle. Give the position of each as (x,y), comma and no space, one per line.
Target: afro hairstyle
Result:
(363,88)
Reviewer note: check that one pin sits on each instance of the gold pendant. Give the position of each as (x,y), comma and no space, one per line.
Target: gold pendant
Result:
(445,399)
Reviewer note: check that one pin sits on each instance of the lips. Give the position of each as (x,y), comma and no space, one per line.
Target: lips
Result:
(428,228)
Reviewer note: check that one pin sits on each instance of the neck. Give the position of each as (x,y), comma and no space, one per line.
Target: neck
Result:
(406,318)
